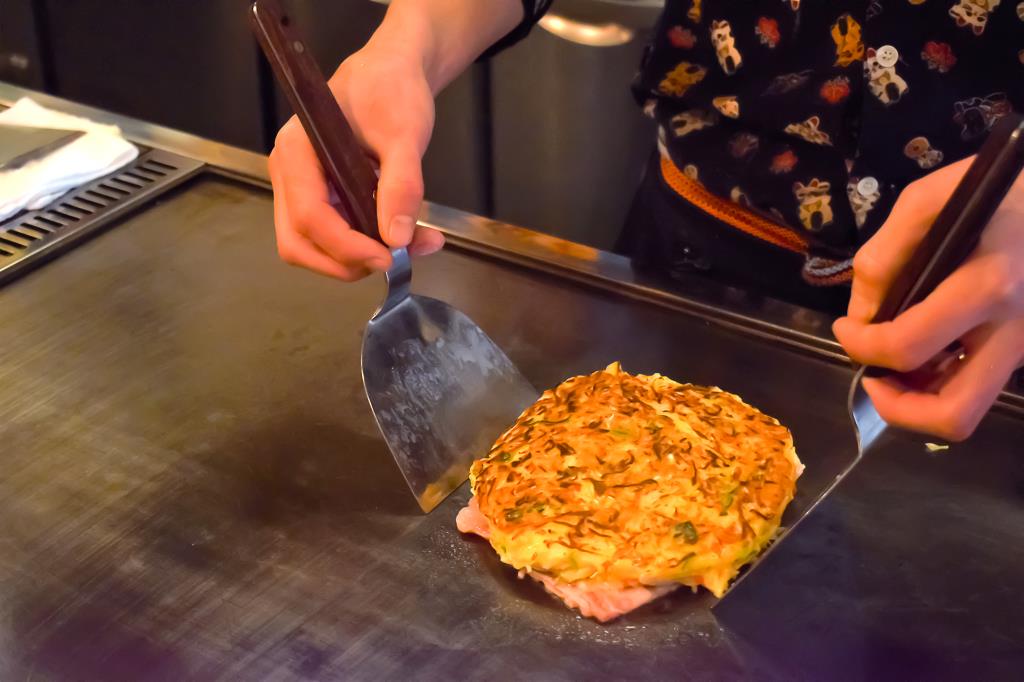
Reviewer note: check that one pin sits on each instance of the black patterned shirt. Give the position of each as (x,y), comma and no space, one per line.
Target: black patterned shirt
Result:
(819,112)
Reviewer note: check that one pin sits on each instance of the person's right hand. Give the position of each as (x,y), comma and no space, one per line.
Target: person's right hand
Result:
(388,102)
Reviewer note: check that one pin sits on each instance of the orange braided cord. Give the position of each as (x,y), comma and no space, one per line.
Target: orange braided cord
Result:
(730,212)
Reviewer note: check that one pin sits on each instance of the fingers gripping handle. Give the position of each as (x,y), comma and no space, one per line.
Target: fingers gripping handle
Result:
(343,160)
(958,227)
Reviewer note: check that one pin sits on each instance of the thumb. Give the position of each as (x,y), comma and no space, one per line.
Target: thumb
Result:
(399,193)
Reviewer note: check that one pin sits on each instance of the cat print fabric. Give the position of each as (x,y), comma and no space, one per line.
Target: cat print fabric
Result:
(822,111)
(833,91)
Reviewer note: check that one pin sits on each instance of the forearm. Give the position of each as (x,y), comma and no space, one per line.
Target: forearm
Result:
(446,35)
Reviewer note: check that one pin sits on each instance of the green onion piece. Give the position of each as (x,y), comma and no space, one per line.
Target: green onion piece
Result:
(686,531)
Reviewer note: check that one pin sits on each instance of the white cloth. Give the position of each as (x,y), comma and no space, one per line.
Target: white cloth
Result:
(101,150)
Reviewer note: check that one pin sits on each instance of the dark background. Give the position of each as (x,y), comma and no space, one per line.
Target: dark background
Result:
(545,135)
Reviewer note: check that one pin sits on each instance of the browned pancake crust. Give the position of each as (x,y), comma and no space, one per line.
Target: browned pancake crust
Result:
(623,480)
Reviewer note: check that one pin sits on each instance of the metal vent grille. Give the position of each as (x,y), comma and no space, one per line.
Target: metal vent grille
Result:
(29,239)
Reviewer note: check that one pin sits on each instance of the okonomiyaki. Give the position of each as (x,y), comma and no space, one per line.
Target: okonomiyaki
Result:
(614,489)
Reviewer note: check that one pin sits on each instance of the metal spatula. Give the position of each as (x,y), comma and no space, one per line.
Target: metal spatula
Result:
(440,389)
(950,240)
(21,144)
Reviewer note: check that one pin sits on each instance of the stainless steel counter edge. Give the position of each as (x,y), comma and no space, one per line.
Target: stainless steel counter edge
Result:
(802,329)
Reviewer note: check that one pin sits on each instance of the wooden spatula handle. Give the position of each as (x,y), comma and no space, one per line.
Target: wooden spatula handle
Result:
(344,162)
(958,227)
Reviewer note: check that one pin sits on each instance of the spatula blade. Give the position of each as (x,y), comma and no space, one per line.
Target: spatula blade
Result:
(441,392)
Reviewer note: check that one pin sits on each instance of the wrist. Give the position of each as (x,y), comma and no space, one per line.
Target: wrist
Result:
(407,35)
(443,37)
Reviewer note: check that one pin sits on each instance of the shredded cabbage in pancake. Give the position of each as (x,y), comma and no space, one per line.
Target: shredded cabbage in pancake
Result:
(636,480)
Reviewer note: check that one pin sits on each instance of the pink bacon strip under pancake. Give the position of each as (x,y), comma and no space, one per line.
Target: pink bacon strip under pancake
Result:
(593,600)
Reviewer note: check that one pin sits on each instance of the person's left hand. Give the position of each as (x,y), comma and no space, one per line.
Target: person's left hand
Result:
(981,304)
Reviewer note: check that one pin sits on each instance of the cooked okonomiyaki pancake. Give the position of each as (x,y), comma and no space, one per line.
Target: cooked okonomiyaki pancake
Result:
(612,483)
